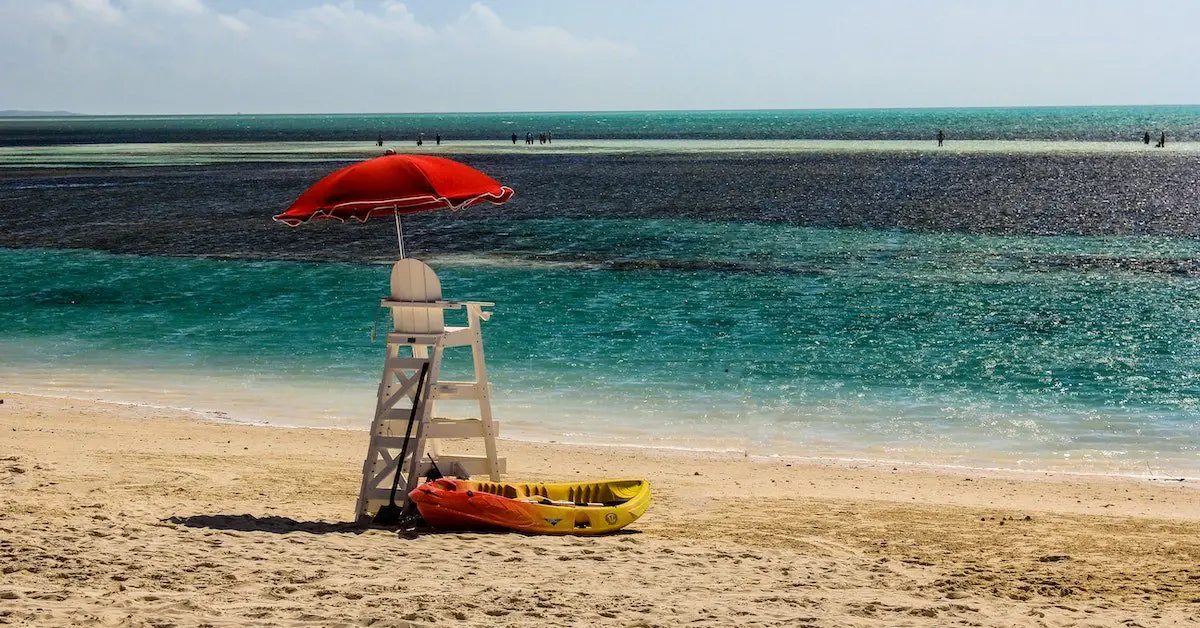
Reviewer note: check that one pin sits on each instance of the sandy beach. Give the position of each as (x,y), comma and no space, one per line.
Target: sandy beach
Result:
(125,515)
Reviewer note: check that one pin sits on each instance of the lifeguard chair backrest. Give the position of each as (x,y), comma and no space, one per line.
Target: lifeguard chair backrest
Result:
(414,281)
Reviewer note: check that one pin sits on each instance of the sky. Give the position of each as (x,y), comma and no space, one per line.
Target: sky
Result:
(314,56)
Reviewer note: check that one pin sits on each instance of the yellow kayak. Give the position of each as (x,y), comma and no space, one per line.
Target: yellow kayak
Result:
(568,508)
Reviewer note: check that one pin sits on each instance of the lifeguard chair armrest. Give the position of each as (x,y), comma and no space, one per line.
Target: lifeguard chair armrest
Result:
(445,305)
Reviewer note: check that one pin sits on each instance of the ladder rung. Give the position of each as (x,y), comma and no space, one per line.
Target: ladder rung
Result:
(474,465)
(447,390)
(392,430)
(412,364)
(459,428)
(393,442)
(393,416)
(451,337)
(402,338)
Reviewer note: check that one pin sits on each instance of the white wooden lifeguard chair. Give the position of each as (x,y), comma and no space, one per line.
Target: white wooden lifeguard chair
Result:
(406,429)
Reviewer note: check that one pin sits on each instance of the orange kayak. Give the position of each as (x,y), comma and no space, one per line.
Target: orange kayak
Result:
(535,508)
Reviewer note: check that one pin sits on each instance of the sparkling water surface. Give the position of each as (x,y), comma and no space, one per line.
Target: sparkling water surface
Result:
(1022,299)
(1114,123)
(946,348)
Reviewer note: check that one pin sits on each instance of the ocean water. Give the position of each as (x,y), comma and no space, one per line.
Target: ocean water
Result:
(1181,122)
(1022,304)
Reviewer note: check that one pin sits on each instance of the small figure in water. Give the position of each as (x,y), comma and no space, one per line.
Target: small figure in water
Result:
(514,138)
(941,137)
(438,138)
(379,140)
(1146,138)
(420,138)
(549,139)
(1162,140)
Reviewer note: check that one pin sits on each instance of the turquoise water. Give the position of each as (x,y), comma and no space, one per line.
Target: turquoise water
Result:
(812,283)
(1053,352)
(1117,123)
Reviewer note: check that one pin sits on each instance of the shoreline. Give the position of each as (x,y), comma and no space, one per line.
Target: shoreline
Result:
(151,416)
(832,462)
(122,515)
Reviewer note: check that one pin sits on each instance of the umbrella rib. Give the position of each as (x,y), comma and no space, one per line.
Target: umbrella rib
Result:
(394,204)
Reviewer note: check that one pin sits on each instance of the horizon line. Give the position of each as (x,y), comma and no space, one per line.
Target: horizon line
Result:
(60,113)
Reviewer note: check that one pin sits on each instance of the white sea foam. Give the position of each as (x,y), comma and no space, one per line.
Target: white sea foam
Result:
(579,417)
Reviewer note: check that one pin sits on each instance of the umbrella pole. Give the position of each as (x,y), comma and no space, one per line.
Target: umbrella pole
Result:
(399,235)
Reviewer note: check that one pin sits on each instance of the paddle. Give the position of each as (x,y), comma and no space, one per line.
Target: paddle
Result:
(390,514)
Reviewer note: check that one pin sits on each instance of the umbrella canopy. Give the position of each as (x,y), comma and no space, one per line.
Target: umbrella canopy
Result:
(394,184)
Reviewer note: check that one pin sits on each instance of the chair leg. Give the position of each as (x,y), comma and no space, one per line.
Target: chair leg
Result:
(484,394)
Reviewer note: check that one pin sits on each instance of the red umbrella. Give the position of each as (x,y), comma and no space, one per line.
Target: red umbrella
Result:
(395,185)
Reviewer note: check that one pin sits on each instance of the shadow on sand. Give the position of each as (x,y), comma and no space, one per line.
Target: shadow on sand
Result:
(277,525)
(285,525)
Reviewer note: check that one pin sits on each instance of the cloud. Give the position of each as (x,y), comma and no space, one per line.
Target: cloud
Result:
(184,56)
(479,20)
(184,7)
(98,10)
(198,56)
(233,24)
(345,22)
